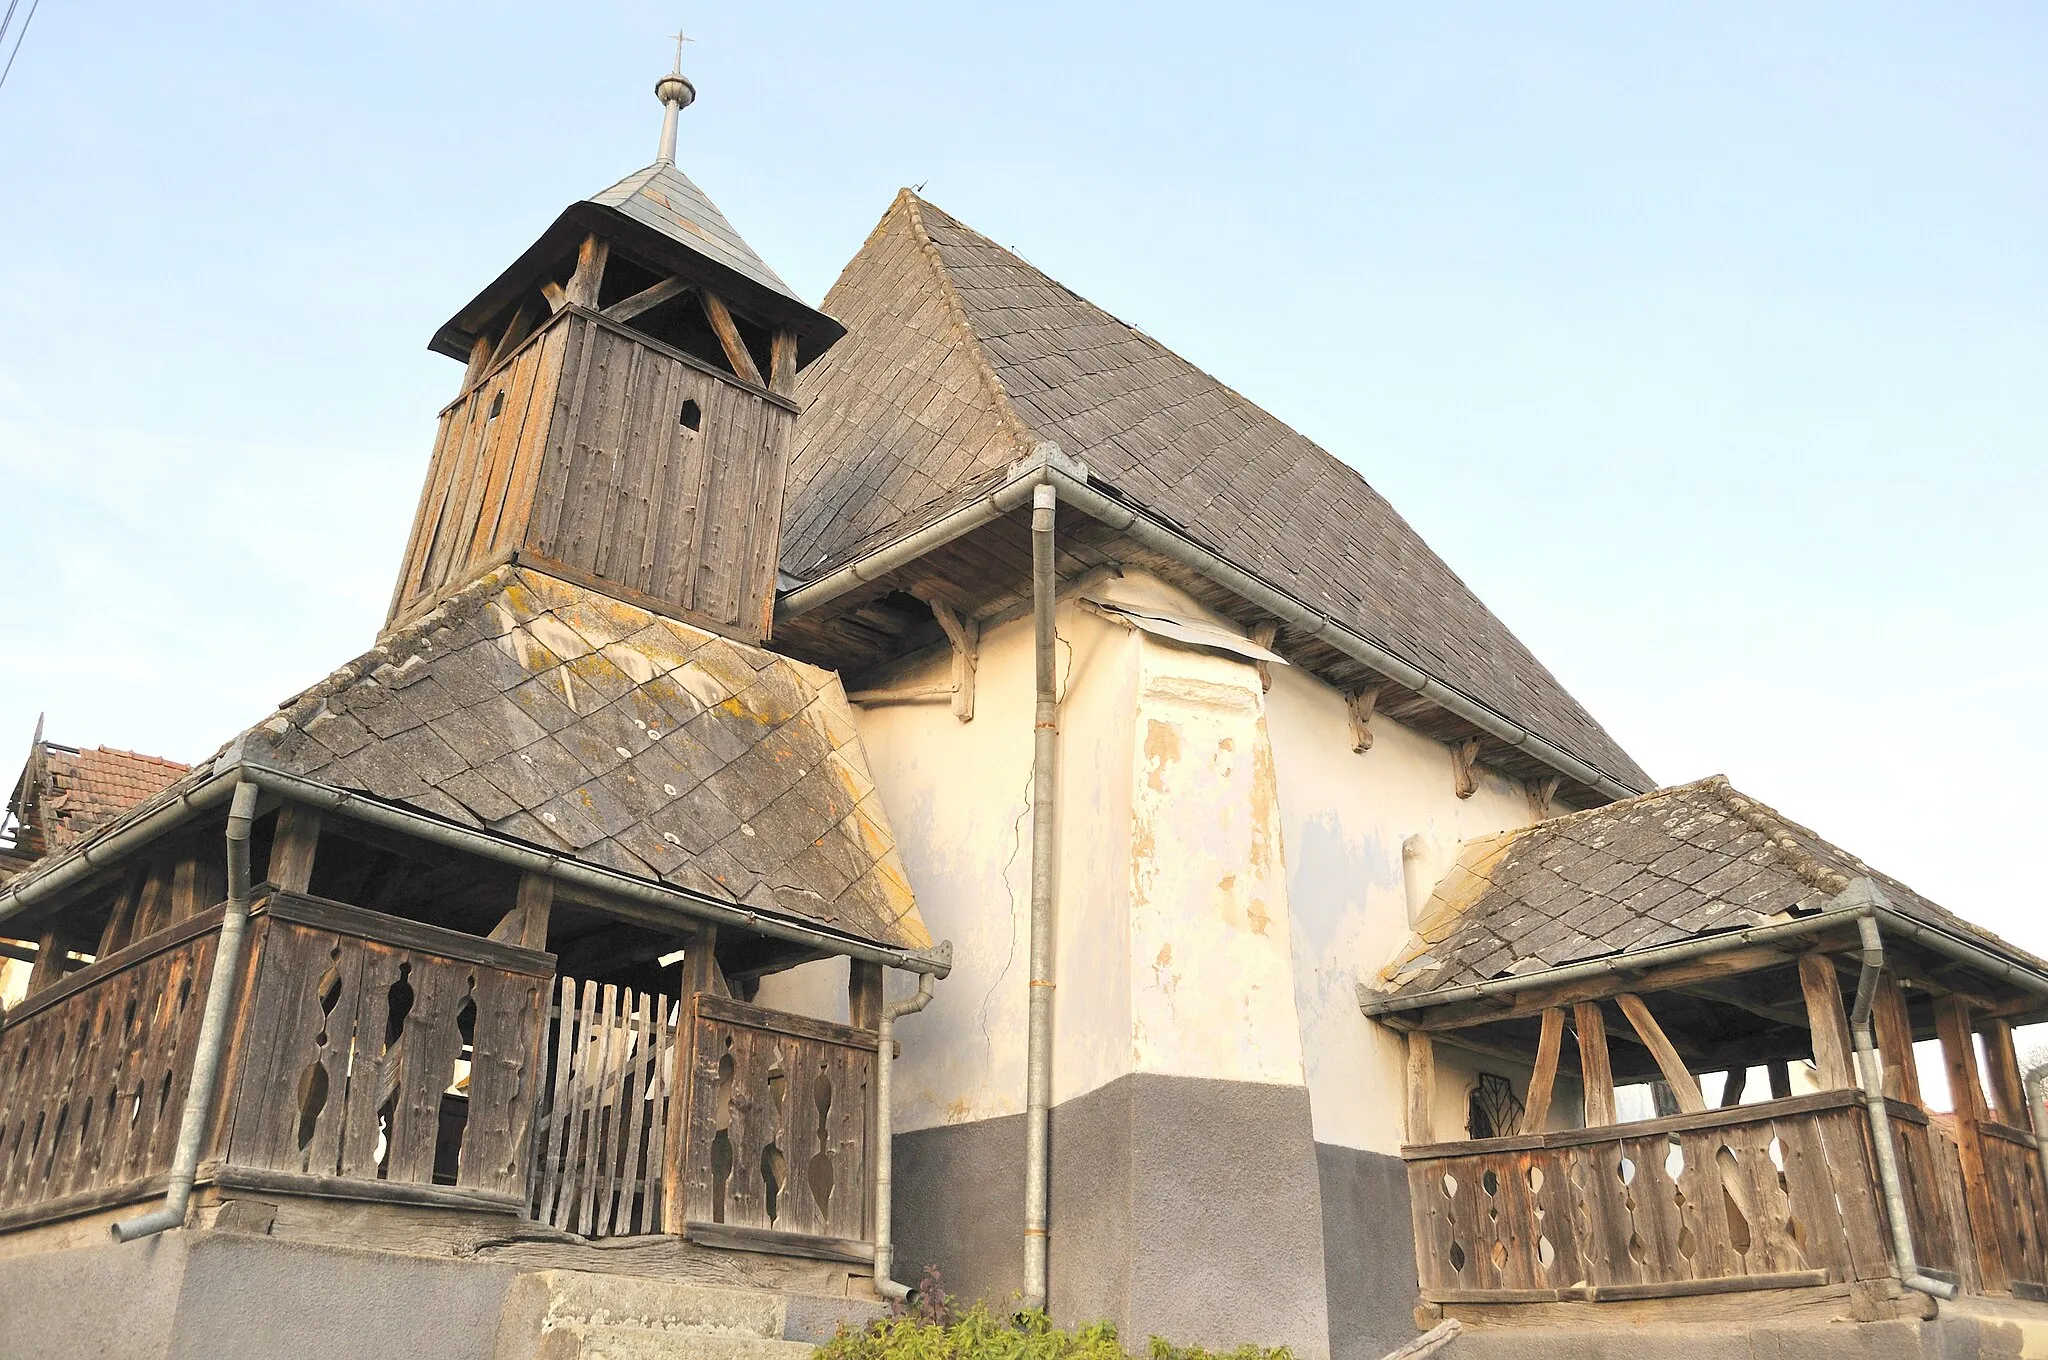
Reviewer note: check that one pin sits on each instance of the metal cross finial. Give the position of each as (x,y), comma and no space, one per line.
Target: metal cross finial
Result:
(676,93)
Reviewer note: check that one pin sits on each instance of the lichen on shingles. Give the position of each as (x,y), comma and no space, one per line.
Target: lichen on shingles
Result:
(550,713)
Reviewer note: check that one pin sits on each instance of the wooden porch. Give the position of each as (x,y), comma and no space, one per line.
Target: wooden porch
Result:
(389,1061)
(1569,1206)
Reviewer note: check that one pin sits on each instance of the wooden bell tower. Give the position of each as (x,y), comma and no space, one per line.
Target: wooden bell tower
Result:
(624,418)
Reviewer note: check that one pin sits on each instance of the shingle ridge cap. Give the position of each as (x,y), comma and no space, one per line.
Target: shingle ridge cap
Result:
(1788,839)
(956,309)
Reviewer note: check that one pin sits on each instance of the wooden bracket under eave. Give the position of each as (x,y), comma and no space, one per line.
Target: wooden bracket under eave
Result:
(1264,635)
(1543,796)
(965,636)
(1464,755)
(1361,706)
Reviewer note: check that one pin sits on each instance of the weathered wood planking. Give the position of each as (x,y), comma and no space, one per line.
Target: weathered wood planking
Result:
(576,451)
(599,1168)
(92,1085)
(780,1124)
(1662,1205)
(354,1043)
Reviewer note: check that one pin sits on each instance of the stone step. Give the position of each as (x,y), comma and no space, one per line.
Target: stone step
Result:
(605,1341)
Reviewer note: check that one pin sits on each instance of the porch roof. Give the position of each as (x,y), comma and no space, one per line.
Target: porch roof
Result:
(551,714)
(1684,863)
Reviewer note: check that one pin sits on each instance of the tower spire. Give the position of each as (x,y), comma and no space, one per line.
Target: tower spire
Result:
(676,93)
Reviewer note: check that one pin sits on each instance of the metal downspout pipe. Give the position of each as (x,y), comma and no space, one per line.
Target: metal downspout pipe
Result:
(1870,1069)
(885,1151)
(213,1027)
(1044,853)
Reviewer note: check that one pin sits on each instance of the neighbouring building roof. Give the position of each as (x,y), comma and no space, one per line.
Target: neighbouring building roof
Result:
(960,358)
(563,718)
(64,793)
(1681,863)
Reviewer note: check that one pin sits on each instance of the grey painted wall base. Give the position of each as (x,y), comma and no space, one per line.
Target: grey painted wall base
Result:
(1368,1251)
(230,1296)
(1181,1207)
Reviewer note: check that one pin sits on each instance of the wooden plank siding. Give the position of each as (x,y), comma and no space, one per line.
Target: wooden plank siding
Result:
(589,466)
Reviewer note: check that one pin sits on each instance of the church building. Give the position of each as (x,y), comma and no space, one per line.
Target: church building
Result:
(936,779)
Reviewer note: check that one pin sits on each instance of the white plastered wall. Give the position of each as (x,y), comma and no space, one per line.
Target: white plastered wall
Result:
(1174,945)
(1346,815)
(1230,871)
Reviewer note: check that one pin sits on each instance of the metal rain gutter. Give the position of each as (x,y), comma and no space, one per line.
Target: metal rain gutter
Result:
(213,1032)
(885,1143)
(1049,465)
(1870,1072)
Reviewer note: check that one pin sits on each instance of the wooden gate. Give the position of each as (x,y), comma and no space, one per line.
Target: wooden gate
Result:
(599,1163)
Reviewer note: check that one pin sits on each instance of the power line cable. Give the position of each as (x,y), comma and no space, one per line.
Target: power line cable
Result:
(26,20)
(7,19)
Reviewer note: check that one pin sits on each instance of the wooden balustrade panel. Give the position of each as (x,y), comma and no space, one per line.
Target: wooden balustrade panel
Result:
(2012,1170)
(352,1049)
(93,1083)
(781,1122)
(599,1163)
(1668,1202)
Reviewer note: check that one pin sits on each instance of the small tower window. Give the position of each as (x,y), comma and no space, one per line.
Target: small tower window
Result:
(497,406)
(693,415)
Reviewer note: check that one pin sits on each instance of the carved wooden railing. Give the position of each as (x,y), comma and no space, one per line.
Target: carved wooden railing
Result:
(350,1031)
(93,1073)
(776,1140)
(348,1051)
(1757,1197)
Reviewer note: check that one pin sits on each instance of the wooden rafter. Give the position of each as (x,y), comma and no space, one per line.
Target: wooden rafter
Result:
(647,299)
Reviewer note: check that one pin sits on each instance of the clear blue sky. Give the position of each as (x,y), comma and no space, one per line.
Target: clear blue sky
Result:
(1707,342)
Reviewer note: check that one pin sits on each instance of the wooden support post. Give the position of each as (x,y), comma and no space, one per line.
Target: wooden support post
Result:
(153,907)
(782,362)
(292,847)
(553,293)
(864,994)
(701,972)
(1595,1070)
(49,964)
(1826,1019)
(589,276)
(526,925)
(1464,755)
(120,928)
(1732,1089)
(1966,1092)
(1421,1088)
(1894,1026)
(1684,1088)
(720,317)
(479,360)
(1543,1081)
(2008,1091)
(1361,706)
(1781,1080)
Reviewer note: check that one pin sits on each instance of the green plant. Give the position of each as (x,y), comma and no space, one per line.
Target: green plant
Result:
(930,1328)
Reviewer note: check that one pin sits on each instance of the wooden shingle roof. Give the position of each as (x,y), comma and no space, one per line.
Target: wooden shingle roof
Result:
(556,716)
(960,358)
(574,722)
(1682,863)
